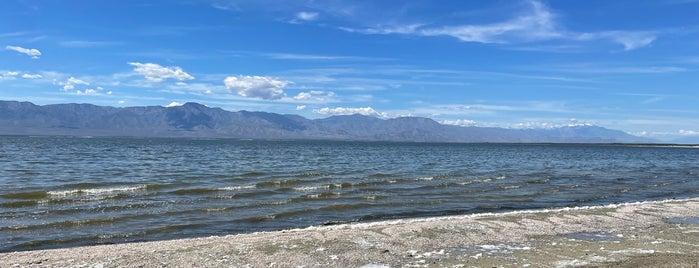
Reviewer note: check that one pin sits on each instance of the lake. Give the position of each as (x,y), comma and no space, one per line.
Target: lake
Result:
(72,191)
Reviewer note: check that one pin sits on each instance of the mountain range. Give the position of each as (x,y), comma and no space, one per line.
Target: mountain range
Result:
(196,120)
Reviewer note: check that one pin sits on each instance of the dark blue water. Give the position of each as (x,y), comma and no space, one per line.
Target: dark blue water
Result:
(62,192)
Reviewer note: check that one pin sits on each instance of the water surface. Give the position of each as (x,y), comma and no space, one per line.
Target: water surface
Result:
(69,191)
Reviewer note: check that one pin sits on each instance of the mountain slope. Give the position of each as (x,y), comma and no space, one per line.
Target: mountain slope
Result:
(196,120)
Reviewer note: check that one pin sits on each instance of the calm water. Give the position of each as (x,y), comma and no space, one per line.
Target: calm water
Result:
(61,192)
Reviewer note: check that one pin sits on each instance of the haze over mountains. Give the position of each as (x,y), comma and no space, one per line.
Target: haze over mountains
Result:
(196,120)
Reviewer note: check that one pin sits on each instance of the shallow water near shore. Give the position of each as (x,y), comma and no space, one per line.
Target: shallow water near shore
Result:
(63,191)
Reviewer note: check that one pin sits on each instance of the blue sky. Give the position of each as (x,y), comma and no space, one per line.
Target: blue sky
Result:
(628,65)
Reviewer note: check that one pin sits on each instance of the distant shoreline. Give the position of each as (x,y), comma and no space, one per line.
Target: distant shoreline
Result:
(650,233)
(660,144)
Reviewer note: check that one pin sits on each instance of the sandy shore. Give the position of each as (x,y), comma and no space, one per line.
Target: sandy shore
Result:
(627,235)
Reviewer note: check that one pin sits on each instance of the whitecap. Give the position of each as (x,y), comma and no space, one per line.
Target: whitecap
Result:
(97,191)
(236,188)
(311,188)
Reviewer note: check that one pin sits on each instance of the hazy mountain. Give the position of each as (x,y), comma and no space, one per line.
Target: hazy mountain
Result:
(196,120)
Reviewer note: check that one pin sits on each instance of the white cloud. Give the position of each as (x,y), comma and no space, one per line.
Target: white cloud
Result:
(551,125)
(629,39)
(301,107)
(689,132)
(84,43)
(400,29)
(307,16)
(32,52)
(8,75)
(536,24)
(315,96)
(459,122)
(92,92)
(31,76)
(87,91)
(70,84)
(262,87)
(157,73)
(174,104)
(350,111)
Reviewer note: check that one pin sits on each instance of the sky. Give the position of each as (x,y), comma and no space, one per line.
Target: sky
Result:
(624,64)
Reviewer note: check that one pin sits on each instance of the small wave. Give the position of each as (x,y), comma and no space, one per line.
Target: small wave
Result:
(425,179)
(97,191)
(508,187)
(20,204)
(27,195)
(311,188)
(308,175)
(65,224)
(236,188)
(257,219)
(253,174)
(381,175)
(237,195)
(194,191)
(279,183)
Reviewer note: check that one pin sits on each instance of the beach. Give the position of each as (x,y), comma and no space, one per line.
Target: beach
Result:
(640,234)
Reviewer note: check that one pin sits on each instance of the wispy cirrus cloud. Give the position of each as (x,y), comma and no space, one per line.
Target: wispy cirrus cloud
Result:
(86,43)
(539,23)
(31,52)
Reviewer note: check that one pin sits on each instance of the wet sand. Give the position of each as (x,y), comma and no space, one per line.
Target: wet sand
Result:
(646,234)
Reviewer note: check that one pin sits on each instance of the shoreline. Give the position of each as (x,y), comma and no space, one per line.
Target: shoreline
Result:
(623,235)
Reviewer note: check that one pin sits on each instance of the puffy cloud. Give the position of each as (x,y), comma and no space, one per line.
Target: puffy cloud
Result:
(459,122)
(71,83)
(350,111)
(157,73)
(70,86)
(317,96)
(31,76)
(301,107)
(92,92)
(31,52)
(307,16)
(262,87)
(87,91)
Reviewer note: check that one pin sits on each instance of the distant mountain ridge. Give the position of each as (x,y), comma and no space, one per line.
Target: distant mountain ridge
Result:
(196,120)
